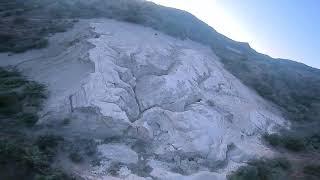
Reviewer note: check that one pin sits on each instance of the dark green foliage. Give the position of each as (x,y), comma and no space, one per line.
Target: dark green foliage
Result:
(245,173)
(290,142)
(26,44)
(21,29)
(312,170)
(133,14)
(273,139)
(292,86)
(12,82)
(9,103)
(17,155)
(294,144)
(19,43)
(272,169)
(313,142)
(76,157)
(89,147)
(17,96)
(81,149)
(29,119)
(48,143)
(20,20)
(34,93)
(66,121)
(54,175)
(294,141)
(20,156)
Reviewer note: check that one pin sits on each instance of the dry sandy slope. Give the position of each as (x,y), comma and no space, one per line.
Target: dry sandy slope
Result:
(171,105)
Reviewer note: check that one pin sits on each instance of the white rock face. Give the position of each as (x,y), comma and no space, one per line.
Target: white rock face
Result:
(176,112)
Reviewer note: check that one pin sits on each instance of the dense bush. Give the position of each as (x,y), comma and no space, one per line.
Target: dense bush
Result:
(313,142)
(20,20)
(17,96)
(19,160)
(22,157)
(290,142)
(20,31)
(48,144)
(272,169)
(54,175)
(75,157)
(312,170)
(294,141)
(81,149)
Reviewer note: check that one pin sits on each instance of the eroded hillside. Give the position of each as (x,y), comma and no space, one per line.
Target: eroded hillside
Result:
(157,106)
(151,105)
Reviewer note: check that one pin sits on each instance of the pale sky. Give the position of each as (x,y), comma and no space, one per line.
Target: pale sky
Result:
(279,28)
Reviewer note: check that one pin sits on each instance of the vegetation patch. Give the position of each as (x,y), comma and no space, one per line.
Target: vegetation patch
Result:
(80,150)
(313,171)
(20,100)
(21,27)
(294,141)
(270,169)
(289,142)
(23,156)
(75,157)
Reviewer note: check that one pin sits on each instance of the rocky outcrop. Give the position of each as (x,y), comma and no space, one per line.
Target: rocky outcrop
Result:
(190,114)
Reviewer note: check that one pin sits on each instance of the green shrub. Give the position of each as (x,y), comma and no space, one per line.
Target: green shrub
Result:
(23,157)
(76,157)
(13,82)
(17,95)
(313,142)
(272,139)
(270,169)
(294,143)
(245,173)
(5,37)
(290,142)
(29,119)
(133,15)
(19,157)
(9,103)
(66,121)
(41,43)
(313,170)
(29,43)
(54,175)
(20,20)
(34,93)
(48,144)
